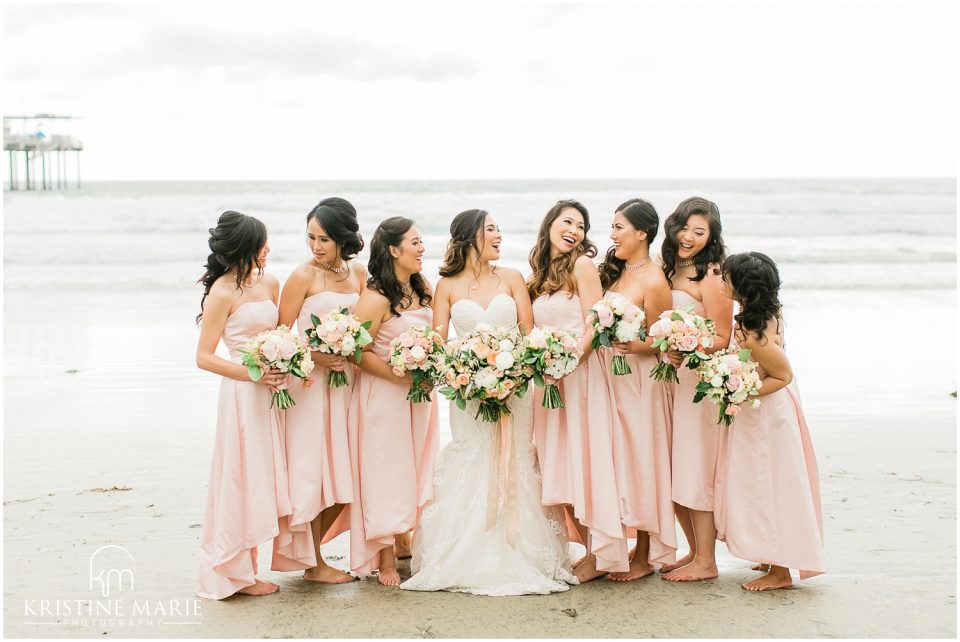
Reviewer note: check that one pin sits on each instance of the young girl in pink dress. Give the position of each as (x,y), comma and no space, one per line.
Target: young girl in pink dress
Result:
(640,406)
(574,443)
(692,253)
(247,495)
(767,505)
(398,439)
(319,461)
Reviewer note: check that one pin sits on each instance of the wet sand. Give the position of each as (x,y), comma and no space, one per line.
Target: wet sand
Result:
(118,452)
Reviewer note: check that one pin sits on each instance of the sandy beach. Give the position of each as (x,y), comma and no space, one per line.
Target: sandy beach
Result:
(109,442)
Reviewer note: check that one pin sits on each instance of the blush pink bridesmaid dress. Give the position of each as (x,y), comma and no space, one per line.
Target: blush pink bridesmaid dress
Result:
(574,443)
(397,444)
(640,411)
(695,438)
(768,487)
(318,449)
(247,496)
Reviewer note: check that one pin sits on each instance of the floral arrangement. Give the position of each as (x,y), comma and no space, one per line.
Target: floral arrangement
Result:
(280,349)
(419,351)
(729,379)
(617,319)
(551,353)
(682,330)
(486,365)
(338,332)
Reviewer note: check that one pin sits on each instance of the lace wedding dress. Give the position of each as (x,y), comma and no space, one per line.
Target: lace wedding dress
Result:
(466,543)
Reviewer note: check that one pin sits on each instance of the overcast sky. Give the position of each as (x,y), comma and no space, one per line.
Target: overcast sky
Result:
(520,90)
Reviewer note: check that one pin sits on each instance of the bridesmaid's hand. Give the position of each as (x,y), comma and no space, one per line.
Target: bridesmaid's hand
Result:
(273,379)
(625,347)
(332,361)
(674,357)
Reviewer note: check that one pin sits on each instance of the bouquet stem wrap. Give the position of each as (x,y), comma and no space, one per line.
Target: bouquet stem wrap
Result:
(502,494)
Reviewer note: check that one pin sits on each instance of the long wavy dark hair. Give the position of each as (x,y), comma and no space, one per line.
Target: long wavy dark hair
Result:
(338,218)
(235,244)
(552,275)
(713,253)
(643,217)
(756,285)
(382,276)
(464,230)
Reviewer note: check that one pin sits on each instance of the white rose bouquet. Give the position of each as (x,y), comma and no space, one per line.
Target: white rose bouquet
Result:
(486,365)
(617,319)
(548,352)
(338,332)
(729,379)
(283,350)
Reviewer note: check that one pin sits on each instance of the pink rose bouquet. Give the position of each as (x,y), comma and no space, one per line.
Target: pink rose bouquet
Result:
(280,349)
(728,379)
(486,365)
(419,351)
(681,330)
(338,332)
(548,352)
(616,318)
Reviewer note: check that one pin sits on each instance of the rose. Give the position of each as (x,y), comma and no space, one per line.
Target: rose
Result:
(349,344)
(406,341)
(732,410)
(461,379)
(506,345)
(481,350)
(270,350)
(418,354)
(605,317)
(568,342)
(688,343)
(505,360)
(734,383)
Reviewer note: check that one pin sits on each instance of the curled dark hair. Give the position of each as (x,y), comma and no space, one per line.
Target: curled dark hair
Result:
(712,254)
(756,285)
(552,275)
(338,218)
(382,275)
(643,217)
(235,244)
(464,230)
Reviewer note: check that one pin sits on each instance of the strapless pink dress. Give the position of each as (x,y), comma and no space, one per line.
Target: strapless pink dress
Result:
(695,434)
(574,443)
(318,449)
(640,409)
(768,488)
(397,445)
(247,494)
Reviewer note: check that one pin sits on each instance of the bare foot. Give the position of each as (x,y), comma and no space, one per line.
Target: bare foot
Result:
(401,546)
(777,578)
(638,570)
(693,572)
(683,561)
(586,570)
(389,576)
(760,567)
(260,587)
(327,575)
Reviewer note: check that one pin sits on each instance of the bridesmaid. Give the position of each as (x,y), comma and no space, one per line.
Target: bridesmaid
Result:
(574,443)
(692,252)
(248,486)
(640,406)
(317,443)
(398,439)
(768,489)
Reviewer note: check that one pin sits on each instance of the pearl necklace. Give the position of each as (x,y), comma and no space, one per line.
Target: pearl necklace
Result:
(685,263)
(636,266)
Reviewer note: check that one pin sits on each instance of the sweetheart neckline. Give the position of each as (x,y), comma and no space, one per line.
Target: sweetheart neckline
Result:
(246,302)
(482,307)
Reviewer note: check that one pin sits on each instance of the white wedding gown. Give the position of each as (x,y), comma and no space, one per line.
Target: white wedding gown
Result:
(455,546)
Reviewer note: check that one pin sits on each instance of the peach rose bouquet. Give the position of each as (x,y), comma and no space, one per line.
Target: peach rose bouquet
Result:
(419,351)
(486,365)
(550,353)
(729,379)
(681,330)
(280,349)
(338,332)
(616,318)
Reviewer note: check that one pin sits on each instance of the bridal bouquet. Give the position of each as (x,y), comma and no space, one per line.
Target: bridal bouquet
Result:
(551,353)
(682,330)
(486,365)
(617,319)
(420,352)
(728,379)
(338,332)
(280,349)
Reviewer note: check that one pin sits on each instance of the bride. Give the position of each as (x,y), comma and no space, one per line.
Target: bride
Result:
(458,546)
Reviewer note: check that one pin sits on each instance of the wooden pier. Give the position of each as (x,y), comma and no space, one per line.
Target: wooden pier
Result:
(28,146)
